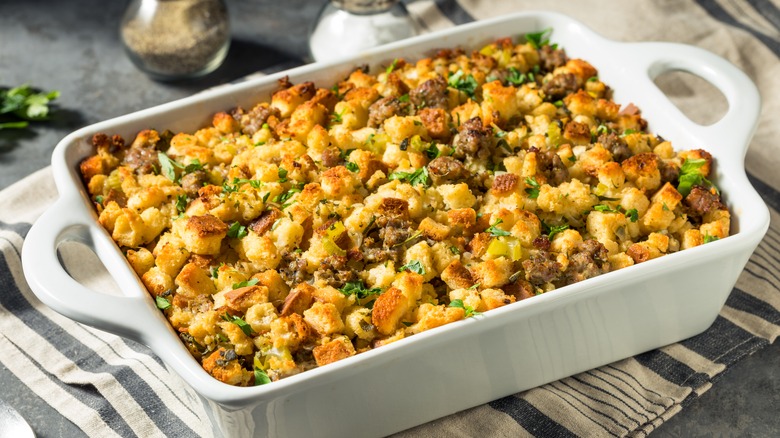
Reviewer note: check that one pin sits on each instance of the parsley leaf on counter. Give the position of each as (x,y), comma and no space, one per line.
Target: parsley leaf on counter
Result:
(22,104)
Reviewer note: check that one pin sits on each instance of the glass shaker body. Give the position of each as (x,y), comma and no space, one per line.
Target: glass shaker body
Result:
(176,39)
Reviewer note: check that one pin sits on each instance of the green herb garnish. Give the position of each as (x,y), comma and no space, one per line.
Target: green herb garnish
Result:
(413,266)
(22,104)
(468,309)
(237,320)
(245,283)
(181,203)
(691,176)
(708,238)
(162,303)
(495,231)
(418,177)
(352,167)
(539,39)
(533,187)
(464,83)
(237,231)
(261,378)
(359,290)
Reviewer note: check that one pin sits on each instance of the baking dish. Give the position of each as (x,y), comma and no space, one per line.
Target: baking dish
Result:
(470,362)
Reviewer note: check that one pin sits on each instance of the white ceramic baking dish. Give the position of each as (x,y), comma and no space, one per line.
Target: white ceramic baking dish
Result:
(470,362)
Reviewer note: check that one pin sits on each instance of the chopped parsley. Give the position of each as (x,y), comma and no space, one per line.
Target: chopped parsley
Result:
(181,203)
(495,231)
(468,309)
(539,39)
(237,320)
(392,66)
(433,151)
(708,238)
(413,266)
(691,176)
(419,177)
(282,173)
(261,378)
(162,303)
(237,231)
(168,167)
(359,290)
(533,187)
(283,197)
(21,105)
(245,283)
(352,167)
(515,77)
(462,82)
(551,231)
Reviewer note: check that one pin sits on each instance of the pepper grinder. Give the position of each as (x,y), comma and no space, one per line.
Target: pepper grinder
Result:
(176,39)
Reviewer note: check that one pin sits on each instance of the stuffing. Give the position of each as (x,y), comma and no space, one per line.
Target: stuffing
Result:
(333,219)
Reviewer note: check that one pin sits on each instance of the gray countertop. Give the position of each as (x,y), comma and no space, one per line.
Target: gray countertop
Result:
(74,47)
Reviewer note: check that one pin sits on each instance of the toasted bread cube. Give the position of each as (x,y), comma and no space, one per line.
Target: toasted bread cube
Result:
(388,310)
(226,368)
(202,234)
(260,316)
(157,281)
(325,318)
(430,316)
(299,299)
(290,332)
(194,281)
(335,350)
(492,272)
(245,297)
(141,260)
(357,323)
(456,276)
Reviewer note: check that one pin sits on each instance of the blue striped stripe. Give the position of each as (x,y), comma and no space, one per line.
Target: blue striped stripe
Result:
(530,418)
(12,299)
(725,342)
(767,10)
(671,369)
(716,11)
(745,302)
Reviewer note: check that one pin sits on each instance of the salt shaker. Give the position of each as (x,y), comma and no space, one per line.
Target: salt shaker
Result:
(176,39)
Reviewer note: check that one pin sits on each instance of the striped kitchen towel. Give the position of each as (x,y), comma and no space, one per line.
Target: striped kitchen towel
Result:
(108,386)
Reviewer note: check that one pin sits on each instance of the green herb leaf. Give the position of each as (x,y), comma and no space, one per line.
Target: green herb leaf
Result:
(261,378)
(245,283)
(413,266)
(392,66)
(167,166)
(181,203)
(468,309)
(162,303)
(708,238)
(418,177)
(464,83)
(690,176)
(237,231)
(433,151)
(25,103)
(551,231)
(283,197)
(282,173)
(495,231)
(515,77)
(359,290)
(632,215)
(237,320)
(533,189)
(539,39)
(605,209)
(352,167)
(455,250)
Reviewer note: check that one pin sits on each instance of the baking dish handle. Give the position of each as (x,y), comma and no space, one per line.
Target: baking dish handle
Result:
(735,129)
(52,284)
